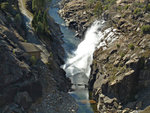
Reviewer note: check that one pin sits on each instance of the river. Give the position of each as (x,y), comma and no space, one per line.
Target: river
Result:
(79,54)
(72,46)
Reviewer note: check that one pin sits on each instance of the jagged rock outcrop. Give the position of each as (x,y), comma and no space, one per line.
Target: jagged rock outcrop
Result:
(121,76)
(125,15)
(76,15)
(27,84)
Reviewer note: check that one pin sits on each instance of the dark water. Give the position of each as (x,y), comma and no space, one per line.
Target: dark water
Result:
(70,42)
(80,93)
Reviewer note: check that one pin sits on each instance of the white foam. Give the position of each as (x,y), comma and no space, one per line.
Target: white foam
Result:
(83,56)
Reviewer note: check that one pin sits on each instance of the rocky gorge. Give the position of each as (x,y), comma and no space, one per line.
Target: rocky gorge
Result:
(119,79)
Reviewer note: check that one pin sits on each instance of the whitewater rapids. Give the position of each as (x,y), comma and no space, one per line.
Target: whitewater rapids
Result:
(77,66)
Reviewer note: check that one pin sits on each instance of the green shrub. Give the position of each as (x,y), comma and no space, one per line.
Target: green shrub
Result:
(38,4)
(126,7)
(146,29)
(14,51)
(18,19)
(122,55)
(40,22)
(147,7)
(109,2)
(33,60)
(138,4)
(119,8)
(105,7)
(118,46)
(123,15)
(131,46)
(98,9)
(33,5)
(40,28)
(90,2)
(40,16)
(5,6)
(137,11)
(51,54)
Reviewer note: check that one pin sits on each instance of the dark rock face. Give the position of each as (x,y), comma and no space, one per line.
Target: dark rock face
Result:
(29,5)
(119,81)
(76,16)
(27,86)
(13,108)
(23,99)
(17,74)
(79,14)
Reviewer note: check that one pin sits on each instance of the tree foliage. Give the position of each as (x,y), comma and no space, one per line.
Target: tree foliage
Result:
(38,4)
(18,19)
(146,29)
(5,6)
(39,21)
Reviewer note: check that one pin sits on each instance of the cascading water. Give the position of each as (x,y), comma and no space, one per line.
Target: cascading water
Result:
(77,67)
(80,56)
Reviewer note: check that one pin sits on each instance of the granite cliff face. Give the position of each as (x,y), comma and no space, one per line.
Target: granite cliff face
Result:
(119,78)
(76,15)
(28,84)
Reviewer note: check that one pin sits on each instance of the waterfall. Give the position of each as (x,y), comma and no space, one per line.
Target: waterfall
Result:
(77,66)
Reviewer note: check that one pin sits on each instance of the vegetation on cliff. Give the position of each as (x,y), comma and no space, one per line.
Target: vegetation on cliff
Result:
(80,14)
(12,13)
(120,74)
(39,21)
(27,84)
